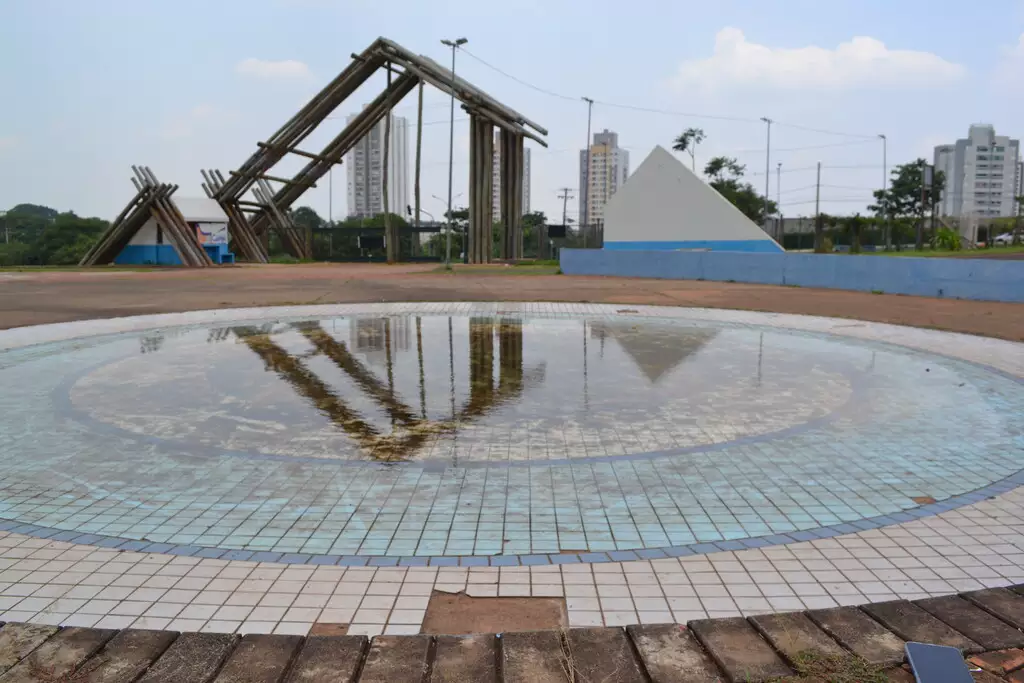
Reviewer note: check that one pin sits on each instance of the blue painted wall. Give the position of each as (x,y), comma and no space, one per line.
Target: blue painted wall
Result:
(980,279)
(759,246)
(148,254)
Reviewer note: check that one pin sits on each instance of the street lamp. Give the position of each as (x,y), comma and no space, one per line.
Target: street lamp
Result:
(767,166)
(885,190)
(454,45)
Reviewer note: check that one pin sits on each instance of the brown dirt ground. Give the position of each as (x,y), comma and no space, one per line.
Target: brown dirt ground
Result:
(458,613)
(29,298)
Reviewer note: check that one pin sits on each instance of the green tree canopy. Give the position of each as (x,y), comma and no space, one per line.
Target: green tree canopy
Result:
(726,176)
(904,197)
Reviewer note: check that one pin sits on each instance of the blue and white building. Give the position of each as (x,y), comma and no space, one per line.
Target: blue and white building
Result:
(150,246)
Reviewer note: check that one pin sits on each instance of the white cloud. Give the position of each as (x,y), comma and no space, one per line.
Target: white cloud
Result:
(1011,63)
(285,70)
(185,125)
(861,62)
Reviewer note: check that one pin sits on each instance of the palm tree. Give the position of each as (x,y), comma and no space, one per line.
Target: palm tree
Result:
(687,142)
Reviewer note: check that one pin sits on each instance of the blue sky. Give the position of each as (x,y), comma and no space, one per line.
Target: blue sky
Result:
(90,88)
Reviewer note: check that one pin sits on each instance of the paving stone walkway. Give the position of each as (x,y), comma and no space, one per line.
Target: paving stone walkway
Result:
(985,625)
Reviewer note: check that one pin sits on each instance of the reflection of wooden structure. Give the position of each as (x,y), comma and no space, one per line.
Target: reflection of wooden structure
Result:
(251,220)
(152,200)
(414,429)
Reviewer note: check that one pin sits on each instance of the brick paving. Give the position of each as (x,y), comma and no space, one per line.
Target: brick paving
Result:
(752,650)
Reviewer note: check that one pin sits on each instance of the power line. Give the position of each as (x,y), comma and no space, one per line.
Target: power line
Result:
(653,110)
(518,80)
(826,132)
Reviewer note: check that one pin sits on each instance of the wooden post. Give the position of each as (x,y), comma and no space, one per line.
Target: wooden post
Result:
(392,243)
(419,146)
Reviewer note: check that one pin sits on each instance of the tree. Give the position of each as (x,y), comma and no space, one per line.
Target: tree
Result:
(687,142)
(306,218)
(1016,219)
(854,225)
(65,240)
(725,174)
(906,197)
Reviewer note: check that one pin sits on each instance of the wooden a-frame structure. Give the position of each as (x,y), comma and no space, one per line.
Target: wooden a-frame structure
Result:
(152,200)
(250,221)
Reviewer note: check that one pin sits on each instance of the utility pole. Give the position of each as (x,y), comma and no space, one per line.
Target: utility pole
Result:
(565,197)
(885,191)
(454,45)
(585,218)
(330,195)
(817,213)
(767,165)
(919,241)
(1020,205)
(778,194)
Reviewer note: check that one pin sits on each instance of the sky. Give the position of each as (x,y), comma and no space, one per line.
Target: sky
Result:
(90,88)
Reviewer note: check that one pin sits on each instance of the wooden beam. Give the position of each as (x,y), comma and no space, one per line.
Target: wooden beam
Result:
(286,181)
(301,153)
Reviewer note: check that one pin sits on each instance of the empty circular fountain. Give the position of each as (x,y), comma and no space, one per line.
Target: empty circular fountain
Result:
(437,431)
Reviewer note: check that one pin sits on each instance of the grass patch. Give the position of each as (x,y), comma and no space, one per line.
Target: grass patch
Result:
(288,259)
(946,253)
(499,269)
(80,269)
(813,667)
(538,262)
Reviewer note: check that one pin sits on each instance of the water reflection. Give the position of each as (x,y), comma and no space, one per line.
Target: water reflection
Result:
(654,354)
(462,388)
(376,338)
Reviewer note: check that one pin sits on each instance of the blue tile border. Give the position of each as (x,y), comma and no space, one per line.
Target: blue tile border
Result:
(591,557)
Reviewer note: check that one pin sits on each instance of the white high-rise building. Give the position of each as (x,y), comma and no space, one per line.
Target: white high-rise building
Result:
(982,174)
(365,171)
(609,168)
(496,179)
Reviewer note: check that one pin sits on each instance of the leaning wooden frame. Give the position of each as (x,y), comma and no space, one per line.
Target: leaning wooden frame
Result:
(250,221)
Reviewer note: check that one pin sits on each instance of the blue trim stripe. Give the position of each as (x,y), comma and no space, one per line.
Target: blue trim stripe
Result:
(758,246)
(1002,486)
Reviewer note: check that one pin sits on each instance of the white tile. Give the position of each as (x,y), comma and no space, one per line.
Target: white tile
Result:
(219,626)
(187,625)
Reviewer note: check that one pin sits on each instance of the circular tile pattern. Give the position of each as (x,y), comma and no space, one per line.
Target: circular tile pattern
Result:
(475,432)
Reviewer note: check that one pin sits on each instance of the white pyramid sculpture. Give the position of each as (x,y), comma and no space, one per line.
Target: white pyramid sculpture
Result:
(665,206)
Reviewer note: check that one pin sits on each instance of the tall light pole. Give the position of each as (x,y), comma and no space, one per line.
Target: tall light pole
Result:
(778,186)
(330,195)
(885,189)
(585,218)
(767,165)
(778,196)
(454,45)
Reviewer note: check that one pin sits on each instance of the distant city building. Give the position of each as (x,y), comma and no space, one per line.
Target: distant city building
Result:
(496,177)
(365,171)
(609,168)
(982,174)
